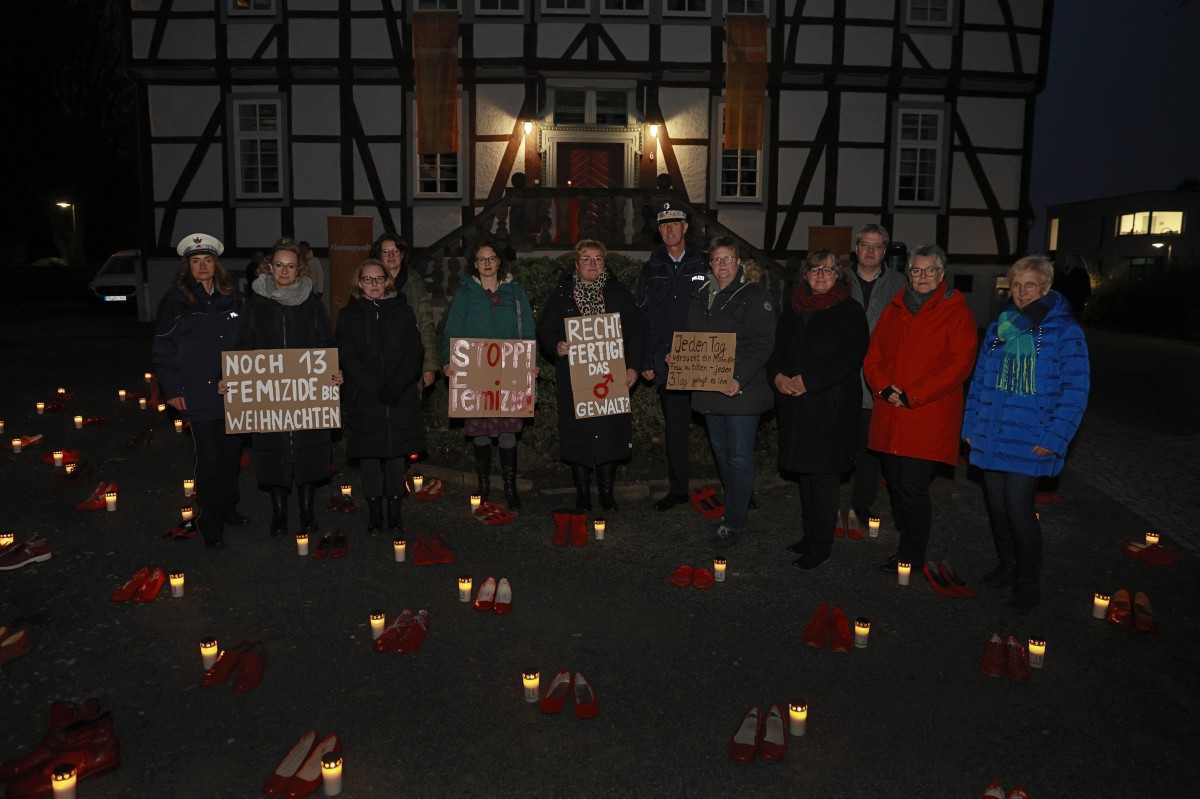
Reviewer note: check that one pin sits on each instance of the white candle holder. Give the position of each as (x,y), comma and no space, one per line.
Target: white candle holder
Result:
(58,457)
(62,781)
(873,527)
(719,566)
(1151,538)
(78,423)
(531,681)
(797,717)
(178,425)
(148,376)
(142,403)
(377,623)
(176,584)
(331,773)
(187,513)
(475,501)
(302,544)
(208,652)
(1037,653)
(189,487)
(399,550)
(121,394)
(464,589)
(41,408)
(600,526)
(418,482)
(903,573)
(110,500)
(1100,606)
(16,445)
(862,632)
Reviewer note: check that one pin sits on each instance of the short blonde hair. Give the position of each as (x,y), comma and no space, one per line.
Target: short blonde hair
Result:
(1039,264)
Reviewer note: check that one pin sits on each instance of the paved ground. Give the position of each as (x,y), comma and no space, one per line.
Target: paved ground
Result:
(1113,713)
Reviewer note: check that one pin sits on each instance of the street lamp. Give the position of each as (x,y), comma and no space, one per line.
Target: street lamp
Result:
(74,229)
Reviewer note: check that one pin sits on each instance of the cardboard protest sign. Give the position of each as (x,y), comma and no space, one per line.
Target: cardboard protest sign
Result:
(702,361)
(492,377)
(274,391)
(596,357)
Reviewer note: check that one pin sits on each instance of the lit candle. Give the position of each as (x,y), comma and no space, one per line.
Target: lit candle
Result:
(345,491)
(331,773)
(464,589)
(903,570)
(189,487)
(6,539)
(418,482)
(148,376)
(1037,653)
(208,652)
(121,394)
(142,403)
(1151,538)
(176,584)
(78,423)
(475,500)
(70,469)
(110,500)
(62,781)
(41,408)
(302,544)
(862,631)
(16,445)
(719,565)
(58,457)
(62,390)
(2,424)
(797,717)
(398,550)
(178,425)
(377,621)
(873,527)
(187,513)
(1100,606)
(600,526)
(162,407)
(531,680)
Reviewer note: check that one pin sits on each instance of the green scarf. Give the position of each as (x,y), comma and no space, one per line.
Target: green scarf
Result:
(1018,368)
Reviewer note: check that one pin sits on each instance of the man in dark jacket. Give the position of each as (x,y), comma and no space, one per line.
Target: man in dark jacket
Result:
(664,294)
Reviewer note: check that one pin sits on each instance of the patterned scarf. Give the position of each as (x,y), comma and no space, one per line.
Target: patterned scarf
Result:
(295,294)
(1018,368)
(590,296)
(804,301)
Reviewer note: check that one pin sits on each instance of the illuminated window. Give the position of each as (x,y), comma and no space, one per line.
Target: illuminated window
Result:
(1053,234)
(1163,223)
(1157,223)
(920,154)
(256,125)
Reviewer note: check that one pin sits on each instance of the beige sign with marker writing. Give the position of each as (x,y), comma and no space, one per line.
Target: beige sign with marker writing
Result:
(275,391)
(702,361)
(596,357)
(492,377)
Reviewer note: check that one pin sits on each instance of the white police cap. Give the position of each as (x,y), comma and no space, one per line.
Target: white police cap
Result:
(199,244)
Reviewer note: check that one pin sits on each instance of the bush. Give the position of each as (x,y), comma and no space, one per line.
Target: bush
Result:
(1153,304)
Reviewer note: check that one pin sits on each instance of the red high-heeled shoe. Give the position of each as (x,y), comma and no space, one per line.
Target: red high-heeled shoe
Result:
(556,693)
(307,778)
(277,783)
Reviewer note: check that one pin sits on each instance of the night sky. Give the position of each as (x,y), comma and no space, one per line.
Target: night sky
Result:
(1121,111)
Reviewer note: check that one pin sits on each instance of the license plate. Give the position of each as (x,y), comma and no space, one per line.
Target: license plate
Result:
(115,298)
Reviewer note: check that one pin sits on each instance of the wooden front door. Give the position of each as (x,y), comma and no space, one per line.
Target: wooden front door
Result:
(587,165)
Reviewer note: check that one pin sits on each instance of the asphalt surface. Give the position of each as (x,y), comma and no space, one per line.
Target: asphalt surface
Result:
(1112,714)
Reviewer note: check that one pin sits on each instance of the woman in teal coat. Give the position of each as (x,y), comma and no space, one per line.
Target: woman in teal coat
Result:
(491,305)
(1025,403)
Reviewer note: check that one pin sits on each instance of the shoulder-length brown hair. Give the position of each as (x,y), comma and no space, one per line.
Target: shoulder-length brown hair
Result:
(183,279)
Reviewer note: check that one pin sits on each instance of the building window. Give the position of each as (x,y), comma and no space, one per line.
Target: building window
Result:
(257,125)
(745,7)
(600,107)
(929,13)
(685,8)
(499,6)
(920,153)
(630,7)
(1154,223)
(565,7)
(437,175)
(1053,235)
(739,172)
(437,5)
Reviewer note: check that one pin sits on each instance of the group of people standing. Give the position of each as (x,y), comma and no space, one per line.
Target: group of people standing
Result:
(866,372)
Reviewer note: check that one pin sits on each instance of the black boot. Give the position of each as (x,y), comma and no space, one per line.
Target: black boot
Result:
(279,522)
(1026,596)
(606,475)
(483,469)
(583,486)
(394,522)
(508,471)
(308,519)
(375,508)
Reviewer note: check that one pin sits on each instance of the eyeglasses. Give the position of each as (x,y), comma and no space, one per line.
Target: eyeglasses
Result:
(723,260)
(591,260)
(928,271)
(823,271)
(373,279)
(390,251)
(862,245)
(490,260)
(283,265)
(1026,286)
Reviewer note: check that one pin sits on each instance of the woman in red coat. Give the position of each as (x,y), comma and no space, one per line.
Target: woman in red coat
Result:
(921,353)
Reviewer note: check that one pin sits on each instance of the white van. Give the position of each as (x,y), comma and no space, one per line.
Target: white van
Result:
(119,279)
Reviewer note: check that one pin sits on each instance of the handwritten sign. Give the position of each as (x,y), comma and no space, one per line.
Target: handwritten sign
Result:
(596,357)
(274,391)
(702,361)
(492,377)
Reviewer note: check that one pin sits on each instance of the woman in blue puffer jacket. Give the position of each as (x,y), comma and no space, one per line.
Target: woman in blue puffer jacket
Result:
(1026,400)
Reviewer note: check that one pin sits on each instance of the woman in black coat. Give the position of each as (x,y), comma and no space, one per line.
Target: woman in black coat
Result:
(820,343)
(380,352)
(282,313)
(599,442)
(197,319)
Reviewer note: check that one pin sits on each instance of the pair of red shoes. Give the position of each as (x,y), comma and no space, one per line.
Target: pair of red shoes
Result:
(946,581)
(833,625)
(494,597)
(332,545)
(29,441)
(299,773)
(996,791)
(849,526)
(341,503)
(570,525)
(491,513)
(697,578)
(405,634)
(96,500)
(1005,657)
(79,736)
(141,587)
(1139,614)
(244,660)
(428,551)
(1153,554)
(705,501)
(12,644)
(431,490)
(755,736)
(586,705)
(69,456)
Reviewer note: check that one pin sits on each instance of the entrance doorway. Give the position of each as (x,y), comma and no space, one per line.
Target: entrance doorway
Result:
(589,165)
